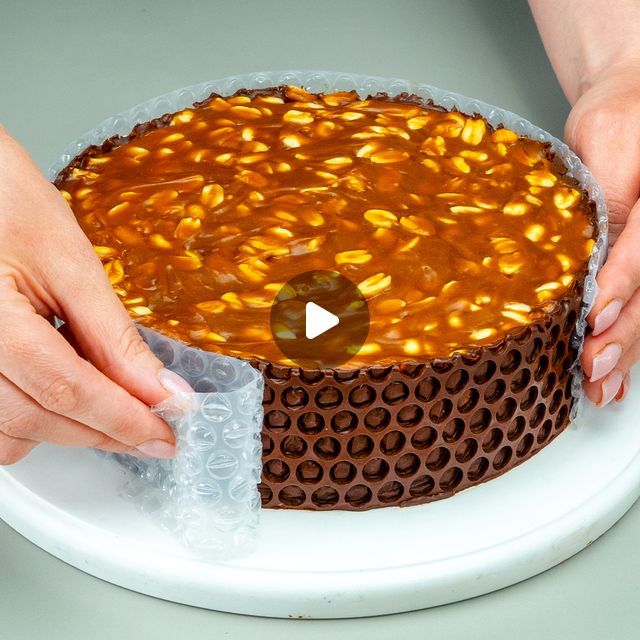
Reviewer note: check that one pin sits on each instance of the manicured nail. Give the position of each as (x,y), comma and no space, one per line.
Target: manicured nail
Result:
(157,449)
(604,362)
(607,316)
(624,389)
(610,386)
(172,382)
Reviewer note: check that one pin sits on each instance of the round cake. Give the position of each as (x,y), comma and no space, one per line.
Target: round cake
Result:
(469,243)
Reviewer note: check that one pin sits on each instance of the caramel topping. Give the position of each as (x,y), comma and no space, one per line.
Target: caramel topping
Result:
(455,233)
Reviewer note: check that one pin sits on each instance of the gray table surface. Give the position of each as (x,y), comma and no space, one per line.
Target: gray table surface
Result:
(64,66)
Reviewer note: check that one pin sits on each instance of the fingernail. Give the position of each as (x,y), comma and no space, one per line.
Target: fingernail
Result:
(610,386)
(607,316)
(157,449)
(624,389)
(172,382)
(604,362)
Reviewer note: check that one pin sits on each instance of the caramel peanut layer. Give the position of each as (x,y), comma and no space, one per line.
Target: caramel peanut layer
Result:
(455,233)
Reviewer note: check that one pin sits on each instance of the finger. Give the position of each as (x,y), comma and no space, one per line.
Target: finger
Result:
(14,449)
(619,277)
(24,419)
(624,389)
(616,383)
(101,325)
(604,391)
(607,350)
(608,144)
(37,359)
(629,358)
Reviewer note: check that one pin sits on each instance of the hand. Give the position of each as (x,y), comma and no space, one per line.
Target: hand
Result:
(48,393)
(604,129)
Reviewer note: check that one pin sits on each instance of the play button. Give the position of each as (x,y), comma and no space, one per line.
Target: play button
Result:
(319,319)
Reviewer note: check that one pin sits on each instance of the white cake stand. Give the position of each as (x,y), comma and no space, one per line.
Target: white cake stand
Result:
(344,564)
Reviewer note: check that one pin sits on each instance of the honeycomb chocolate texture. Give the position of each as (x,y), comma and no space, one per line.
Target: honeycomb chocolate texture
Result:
(470,244)
(410,433)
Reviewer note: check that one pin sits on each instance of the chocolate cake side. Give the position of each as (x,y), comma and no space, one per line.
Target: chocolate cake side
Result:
(413,433)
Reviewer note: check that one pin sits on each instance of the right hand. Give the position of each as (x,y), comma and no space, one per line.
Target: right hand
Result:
(604,129)
(48,393)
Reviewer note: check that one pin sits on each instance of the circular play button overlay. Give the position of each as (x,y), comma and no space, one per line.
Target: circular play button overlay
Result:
(319,319)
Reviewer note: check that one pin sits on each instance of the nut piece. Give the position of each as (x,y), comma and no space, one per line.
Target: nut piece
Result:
(159,242)
(411,347)
(391,305)
(250,273)
(114,271)
(367,349)
(212,195)
(434,146)
(421,226)
(473,131)
(482,334)
(417,122)
(515,208)
(534,232)
(105,252)
(294,116)
(247,113)
(380,218)
(140,311)
(233,300)
(541,179)
(291,141)
(211,306)
(375,284)
(206,336)
(515,315)
(355,256)
(187,228)
(313,218)
(510,264)
(191,261)
(564,197)
(459,164)
(389,156)
(465,209)
(505,136)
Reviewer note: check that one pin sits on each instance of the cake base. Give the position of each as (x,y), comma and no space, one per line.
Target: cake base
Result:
(338,564)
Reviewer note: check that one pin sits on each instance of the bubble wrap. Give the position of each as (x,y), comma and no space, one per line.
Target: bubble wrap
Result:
(182,492)
(208,494)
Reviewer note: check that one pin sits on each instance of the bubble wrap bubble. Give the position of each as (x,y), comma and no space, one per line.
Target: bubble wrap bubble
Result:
(208,494)
(193,523)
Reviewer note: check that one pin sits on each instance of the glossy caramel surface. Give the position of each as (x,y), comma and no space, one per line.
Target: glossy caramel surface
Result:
(455,233)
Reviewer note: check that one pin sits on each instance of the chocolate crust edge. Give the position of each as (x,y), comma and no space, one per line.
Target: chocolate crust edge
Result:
(411,433)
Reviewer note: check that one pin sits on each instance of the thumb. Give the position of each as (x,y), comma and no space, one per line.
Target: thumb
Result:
(102,327)
(619,277)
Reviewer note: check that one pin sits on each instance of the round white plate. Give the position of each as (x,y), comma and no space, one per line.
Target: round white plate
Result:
(344,564)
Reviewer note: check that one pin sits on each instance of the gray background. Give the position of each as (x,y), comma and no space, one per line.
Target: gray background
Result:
(65,66)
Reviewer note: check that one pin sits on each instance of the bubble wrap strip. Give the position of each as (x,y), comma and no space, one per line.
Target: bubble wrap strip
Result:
(319,80)
(208,494)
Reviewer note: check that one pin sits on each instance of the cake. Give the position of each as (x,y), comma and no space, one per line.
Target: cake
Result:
(469,243)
